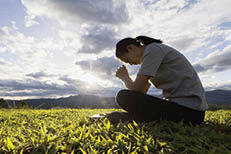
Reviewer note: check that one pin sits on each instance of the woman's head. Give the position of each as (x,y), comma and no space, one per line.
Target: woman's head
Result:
(122,46)
(131,50)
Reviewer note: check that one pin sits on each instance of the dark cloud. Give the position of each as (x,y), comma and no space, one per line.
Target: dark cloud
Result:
(104,11)
(216,62)
(85,65)
(38,75)
(14,85)
(2,63)
(73,82)
(106,64)
(97,40)
(39,94)
(37,88)
(104,67)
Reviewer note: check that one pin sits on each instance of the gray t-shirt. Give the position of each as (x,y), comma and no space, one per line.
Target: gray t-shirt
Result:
(170,71)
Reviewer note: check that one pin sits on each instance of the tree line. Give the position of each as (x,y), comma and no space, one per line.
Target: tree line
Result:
(4,103)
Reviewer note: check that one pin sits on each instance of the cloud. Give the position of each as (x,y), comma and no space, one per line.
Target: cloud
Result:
(95,20)
(225,25)
(89,29)
(2,62)
(107,92)
(75,82)
(183,43)
(8,34)
(30,20)
(25,54)
(38,75)
(90,86)
(218,85)
(85,65)
(14,85)
(199,68)
(215,62)
(104,67)
(33,87)
(184,24)
(98,39)
(104,11)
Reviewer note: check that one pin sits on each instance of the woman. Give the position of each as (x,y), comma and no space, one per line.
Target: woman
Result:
(166,69)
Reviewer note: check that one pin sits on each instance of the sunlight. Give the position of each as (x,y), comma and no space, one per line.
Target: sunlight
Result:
(91,81)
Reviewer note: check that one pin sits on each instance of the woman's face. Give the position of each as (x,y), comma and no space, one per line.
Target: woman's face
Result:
(133,56)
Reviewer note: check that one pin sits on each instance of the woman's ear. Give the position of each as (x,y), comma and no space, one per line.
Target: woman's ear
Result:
(130,47)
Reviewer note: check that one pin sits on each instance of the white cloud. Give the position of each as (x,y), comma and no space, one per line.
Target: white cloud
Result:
(9,34)
(2,62)
(30,20)
(216,61)
(183,24)
(33,55)
(95,21)
(177,21)
(217,85)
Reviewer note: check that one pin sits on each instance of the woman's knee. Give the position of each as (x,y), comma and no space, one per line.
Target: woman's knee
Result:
(121,96)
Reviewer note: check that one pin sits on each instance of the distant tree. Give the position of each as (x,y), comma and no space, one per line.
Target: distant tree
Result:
(22,104)
(2,102)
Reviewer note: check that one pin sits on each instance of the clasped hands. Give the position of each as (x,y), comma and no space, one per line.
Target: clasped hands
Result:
(140,84)
(122,72)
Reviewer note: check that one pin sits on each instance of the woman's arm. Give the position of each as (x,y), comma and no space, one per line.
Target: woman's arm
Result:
(140,84)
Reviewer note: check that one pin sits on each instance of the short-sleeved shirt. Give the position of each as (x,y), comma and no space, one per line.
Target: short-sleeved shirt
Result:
(170,71)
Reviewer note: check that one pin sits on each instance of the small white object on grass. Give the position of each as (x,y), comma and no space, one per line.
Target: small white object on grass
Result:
(102,115)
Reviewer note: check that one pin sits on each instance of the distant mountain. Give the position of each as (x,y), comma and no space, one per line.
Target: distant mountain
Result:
(216,97)
(80,101)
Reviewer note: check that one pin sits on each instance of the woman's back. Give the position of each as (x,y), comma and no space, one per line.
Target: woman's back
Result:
(172,72)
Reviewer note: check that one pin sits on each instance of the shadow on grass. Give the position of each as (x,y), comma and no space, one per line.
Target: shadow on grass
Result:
(209,137)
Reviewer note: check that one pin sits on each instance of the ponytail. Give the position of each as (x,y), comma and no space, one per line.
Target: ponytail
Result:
(147,40)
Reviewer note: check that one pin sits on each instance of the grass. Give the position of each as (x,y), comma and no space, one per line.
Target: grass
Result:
(70,131)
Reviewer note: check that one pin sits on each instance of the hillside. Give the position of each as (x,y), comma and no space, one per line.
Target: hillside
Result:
(217,97)
(80,101)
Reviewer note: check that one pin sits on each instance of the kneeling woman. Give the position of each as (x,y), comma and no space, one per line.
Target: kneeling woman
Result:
(166,69)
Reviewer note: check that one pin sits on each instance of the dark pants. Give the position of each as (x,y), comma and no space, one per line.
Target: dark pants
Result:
(142,107)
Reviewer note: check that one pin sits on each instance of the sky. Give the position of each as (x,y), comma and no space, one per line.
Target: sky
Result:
(58,48)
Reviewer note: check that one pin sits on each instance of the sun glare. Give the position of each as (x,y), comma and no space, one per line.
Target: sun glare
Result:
(91,81)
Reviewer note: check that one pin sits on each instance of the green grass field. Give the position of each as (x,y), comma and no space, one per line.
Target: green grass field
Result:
(70,131)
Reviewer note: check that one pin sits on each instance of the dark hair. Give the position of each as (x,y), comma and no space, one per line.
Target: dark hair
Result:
(121,46)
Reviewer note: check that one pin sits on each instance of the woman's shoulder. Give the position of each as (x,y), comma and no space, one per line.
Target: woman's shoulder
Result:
(159,47)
